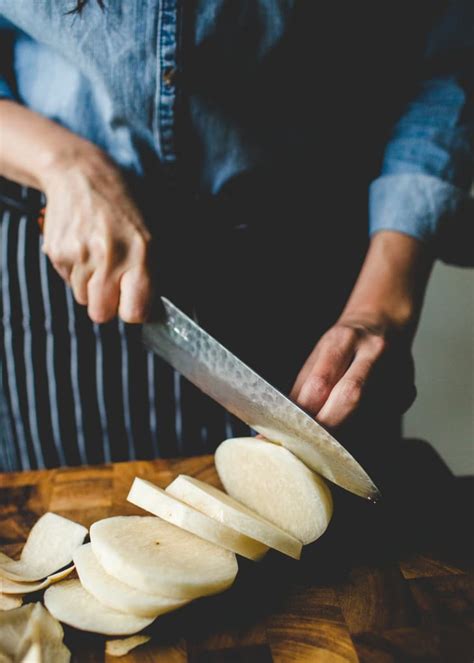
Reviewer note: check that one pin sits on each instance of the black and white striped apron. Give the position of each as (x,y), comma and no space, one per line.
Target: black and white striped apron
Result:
(247,264)
(75,392)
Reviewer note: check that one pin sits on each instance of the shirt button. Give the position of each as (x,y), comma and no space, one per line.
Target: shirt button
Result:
(169,76)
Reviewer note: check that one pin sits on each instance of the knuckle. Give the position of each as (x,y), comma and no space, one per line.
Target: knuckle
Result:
(351,391)
(341,335)
(379,344)
(140,247)
(53,253)
(318,384)
(99,247)
(64,253)
(314,391)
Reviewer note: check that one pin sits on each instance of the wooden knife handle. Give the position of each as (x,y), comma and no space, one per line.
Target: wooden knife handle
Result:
(40,219)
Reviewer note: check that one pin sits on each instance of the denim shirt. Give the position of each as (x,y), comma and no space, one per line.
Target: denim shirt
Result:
(377,91)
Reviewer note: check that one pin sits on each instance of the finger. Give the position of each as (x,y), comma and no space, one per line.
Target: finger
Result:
(103,293)
(338,340)
(69,252)
(79,279)
(332,358)
(64,270)
(347,393)
(135,294)
(303,374)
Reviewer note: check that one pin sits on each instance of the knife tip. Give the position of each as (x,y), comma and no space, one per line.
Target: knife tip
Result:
(375,496)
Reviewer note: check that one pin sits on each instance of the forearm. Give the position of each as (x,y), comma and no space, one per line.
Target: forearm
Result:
(379,318)
(390,288)
(33,148)
(94,233)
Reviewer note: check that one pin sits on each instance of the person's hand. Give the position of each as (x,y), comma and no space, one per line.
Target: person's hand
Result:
(95,238)
(93,232)
(372,337)
(332,382)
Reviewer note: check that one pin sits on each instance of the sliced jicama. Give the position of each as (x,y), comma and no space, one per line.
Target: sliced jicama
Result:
(153,556)
(42,639)
(33,654)
(50,546)
(115,594)
(124,646)
(13,587)
(216,504)
(151,498)
(13,624)
(31,627)
(69,602)
(10,601)
(270,480)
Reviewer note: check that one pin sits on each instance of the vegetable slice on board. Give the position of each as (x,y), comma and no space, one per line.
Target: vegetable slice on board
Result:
(12,626)
(42,639)
(151,498)
(31,628)
(151,555)
(69,602)
(50,546)
(223,508)
(123,647)
(270,480)
(115,594)
(13,587)
(10,601)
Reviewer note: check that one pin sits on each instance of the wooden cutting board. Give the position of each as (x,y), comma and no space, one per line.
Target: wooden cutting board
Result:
(387,583)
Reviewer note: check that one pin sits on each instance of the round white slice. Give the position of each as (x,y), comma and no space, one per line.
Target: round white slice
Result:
(155,500)
(268,479)
(223,508)
(69,602)
(153,556)
(115,594)
(50,546)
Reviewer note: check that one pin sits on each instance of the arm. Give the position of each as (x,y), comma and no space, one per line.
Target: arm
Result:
(428,166)
(380,317)
(426,175)
(93,232)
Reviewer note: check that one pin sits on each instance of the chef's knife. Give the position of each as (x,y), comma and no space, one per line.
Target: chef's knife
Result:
(217,372)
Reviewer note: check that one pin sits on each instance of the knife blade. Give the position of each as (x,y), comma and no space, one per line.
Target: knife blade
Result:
(221,375)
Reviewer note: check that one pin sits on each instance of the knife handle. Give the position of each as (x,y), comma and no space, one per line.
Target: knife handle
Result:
(40,219)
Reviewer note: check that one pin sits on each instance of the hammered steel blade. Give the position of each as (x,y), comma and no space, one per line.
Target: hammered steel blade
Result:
(218,373)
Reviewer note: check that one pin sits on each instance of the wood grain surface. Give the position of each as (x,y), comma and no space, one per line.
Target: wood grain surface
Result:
(386,583)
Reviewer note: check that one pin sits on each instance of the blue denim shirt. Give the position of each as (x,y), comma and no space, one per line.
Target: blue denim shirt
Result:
(364,89)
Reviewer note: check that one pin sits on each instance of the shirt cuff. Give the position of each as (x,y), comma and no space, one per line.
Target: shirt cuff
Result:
(413,204)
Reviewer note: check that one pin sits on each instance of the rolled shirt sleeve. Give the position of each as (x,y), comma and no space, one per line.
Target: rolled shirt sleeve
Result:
(414,204)
(428,167)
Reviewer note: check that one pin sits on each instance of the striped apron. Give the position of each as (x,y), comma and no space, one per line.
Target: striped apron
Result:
(75,392)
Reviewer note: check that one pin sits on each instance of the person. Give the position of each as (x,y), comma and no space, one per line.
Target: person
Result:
(227,155)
